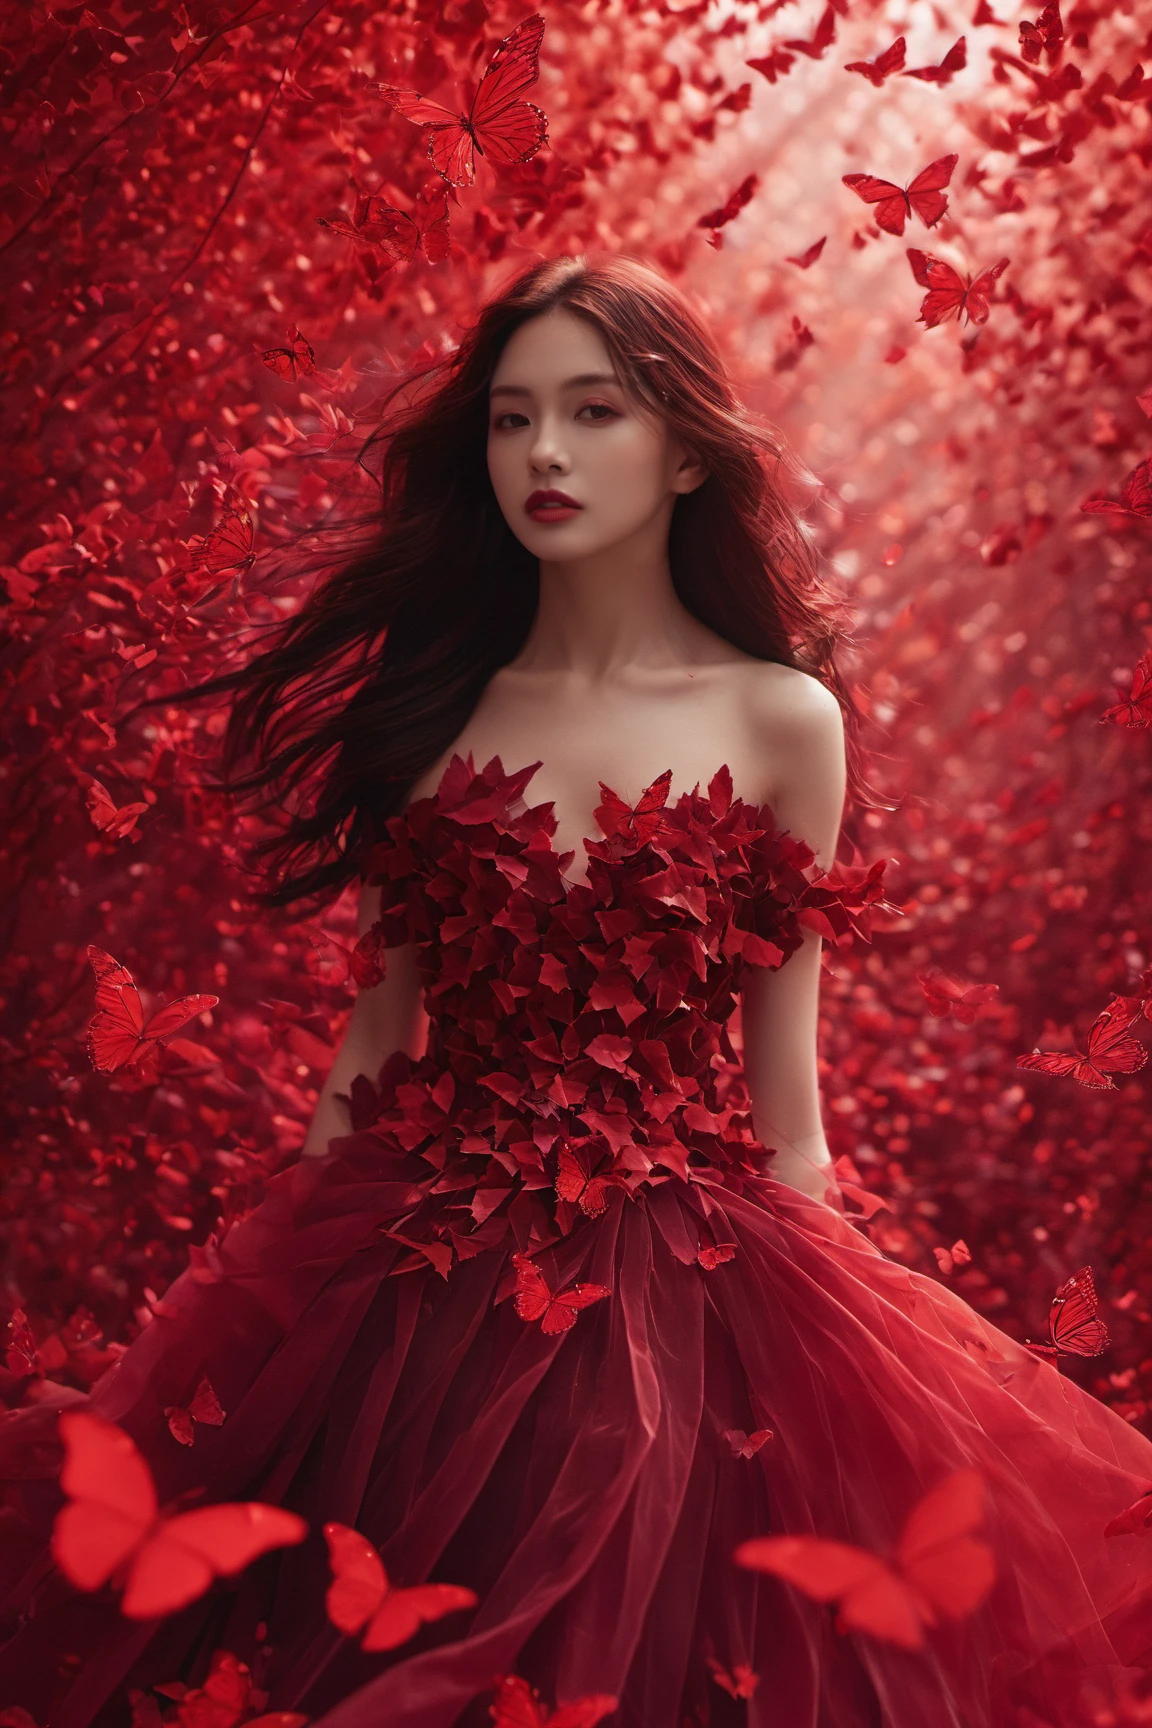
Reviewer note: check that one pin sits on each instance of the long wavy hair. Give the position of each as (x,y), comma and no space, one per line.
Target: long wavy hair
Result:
(376,674)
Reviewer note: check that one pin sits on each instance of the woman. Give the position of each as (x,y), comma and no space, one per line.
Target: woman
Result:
(559,1305)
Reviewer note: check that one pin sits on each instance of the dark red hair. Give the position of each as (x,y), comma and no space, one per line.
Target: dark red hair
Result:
(377,673)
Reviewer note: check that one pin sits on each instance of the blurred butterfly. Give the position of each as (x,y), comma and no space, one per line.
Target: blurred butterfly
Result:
(727,212)
(113,821)
(499,124)
(1073,1329)
(747,1445)
(223,1701)
(230,545)
(947,995)
(883,66)
(773,65)
(938,1567)
(112,1526)
(822,38)
(118,1034)
(741,1682)
(954,61)
(1135,496)
(949,1258)
(1134,709)
(715,1254)
(809,257)
(1134,1519)
(290,362)
(637,825)
(399,234)
(1110,1051)
(923,197)
(947,293)
(556,1311)
(573,1183)
(203,1406)
(360,1595)
(517,1705)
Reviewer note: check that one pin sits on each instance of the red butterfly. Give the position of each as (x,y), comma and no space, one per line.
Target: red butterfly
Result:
(1134,709)
(947,995)
(1073,1329)
(118,1035)
(398,233)
(637,825)
(727,212)
(938,1567)
(773,65)
(883,66)
(230,545)
(223,1701)
(1135,496)
(104,813)
(361,1596)
(112,1525)
(1134,1519)
(809,257)
(715,1254)
(958,1255)
(557,1311)
(747,1445)
(290,362)
(825,35)
(924,197)
(574,1183)
(517,1705)
(740,1683)
(1110,1051)
(954,61)
(203,1406)
(947,294)
(499,124)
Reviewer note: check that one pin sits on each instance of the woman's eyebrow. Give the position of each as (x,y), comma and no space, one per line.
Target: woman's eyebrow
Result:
(581,379)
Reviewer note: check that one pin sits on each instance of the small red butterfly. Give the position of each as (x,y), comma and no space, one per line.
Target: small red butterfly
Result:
(726,213)
(747,1445)
(499,124)
(883,66)
(203,1406)
(556,1311)
(949,1258)
(938,1567)
(117,1034)
(954,61)
(517,1705)
(946,995)
(773,65)
(1134,1520)
(741,1682)
(398,233)
(299,356)
(822,38)
(112,1525)
(573,1183)
(923,197)
(361,1596)
(1135,496)
(230,545)
(1073,1329)
(638,825)
(1133,709)
(809,257)
(223,1701)
(1110,1050)
(947,294)
(715,1254)
(113,821)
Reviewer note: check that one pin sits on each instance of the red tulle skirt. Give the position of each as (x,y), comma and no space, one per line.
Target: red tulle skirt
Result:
(582,1485)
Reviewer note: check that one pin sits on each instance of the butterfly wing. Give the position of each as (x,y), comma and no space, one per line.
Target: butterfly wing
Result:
(403,1612)
(891,201)
(115,1028)
(1110,1050)
(112,1501)
(516,1704)
(1134,709)
(1051,1062)
(230,545)
(507,128)
(533,1296)
(1072,1322)
(937,1553)
(925,192)
(181,1557)
(205,1406)
(872,1598)
(418,108)
(571,1178)
(884,64)
(452,153)
(173,1015)
(359,1583)
(583,1712)
(975,296)
(560,1315)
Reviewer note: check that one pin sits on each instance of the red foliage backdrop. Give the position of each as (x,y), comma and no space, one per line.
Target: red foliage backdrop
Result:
(178,177)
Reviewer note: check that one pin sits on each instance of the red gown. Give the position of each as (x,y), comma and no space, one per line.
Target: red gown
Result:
(361,1332)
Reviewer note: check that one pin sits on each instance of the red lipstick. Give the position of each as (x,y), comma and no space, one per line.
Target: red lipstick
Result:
(551,506)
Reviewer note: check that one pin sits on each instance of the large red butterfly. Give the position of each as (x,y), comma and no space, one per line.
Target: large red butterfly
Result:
(947,995)
(947,294)
(1135,496)
(1110,1050)
(954,61)
(923,197)
(112,1525)
(360,1595)
(298,357)
(499,124)
(637,825)
(118,1034)
(574,1183)
(883,66)
(517,1705)
(398,234)
(1073,1328)
(229,546)
(203,1406)
(113,821)
(1133,709)
(555,1310)
(938,1567)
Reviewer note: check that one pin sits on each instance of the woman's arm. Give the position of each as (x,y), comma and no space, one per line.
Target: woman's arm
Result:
(803,732)
(386,1018)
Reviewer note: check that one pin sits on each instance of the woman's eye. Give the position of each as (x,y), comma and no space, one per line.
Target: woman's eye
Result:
(600,407)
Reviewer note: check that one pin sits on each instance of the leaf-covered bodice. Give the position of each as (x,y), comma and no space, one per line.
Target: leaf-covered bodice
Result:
(579,1040)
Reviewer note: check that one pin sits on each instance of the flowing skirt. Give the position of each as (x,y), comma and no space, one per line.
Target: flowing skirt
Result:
(583,1484)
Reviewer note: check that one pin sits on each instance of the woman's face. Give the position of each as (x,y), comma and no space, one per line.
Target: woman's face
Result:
(560,421)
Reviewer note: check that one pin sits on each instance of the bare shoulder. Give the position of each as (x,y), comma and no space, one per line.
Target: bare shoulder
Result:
(797,732)
(783,702)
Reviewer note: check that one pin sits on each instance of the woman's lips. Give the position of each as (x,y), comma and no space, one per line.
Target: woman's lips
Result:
(551,506)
